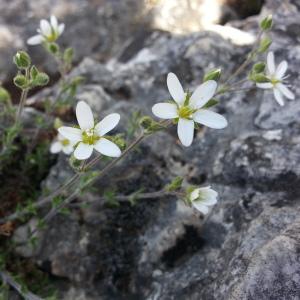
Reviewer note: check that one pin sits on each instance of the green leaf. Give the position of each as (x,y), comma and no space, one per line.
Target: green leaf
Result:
(33,72)
(68,55)
(214,74)
(41,79)
(266,23)
(210,103)
(175,184)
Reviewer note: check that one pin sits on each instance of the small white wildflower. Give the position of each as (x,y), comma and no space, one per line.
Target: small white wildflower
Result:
(62,144)
(189,109)
(91,136)
(48,32)
(203,198)
(276,76)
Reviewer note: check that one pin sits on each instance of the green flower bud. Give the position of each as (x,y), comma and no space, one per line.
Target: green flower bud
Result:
(259,78)
(212,75)
(33,72)
(4,96)
(174,185)
(264,45)
(53,48)
(68,55)
(259,67)
(20,81)
(22,60)
(266,23)
(150,125)
(41,79)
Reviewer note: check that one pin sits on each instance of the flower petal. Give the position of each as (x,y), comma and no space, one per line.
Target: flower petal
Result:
(278,96)
(61,29)
(84,116)
(210,119)
(35,40)
(107,148)
(83,151)
(175,88)
(271,63)
(107,124)
(285,91)
(165,110)
(55,147)
(281,69)
(68,149)
(70,133)
(185,130)
(203,93)
(200,207)
(265,85)
(45,27)
(54,23)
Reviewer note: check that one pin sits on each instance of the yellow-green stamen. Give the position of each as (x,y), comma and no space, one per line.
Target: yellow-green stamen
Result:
(185,112)
(89,137)
(65,142)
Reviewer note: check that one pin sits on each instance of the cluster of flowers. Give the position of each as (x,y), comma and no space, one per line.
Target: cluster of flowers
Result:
(185,109)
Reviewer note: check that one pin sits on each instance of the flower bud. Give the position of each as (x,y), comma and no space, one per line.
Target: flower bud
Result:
(264,45)
(259,67)
(4,96)
(266,23)
(20,81)
(41,79)
(174,185)
(68,55)
(53,48)
(259,78)
(33,72)
(214,74)
(22,60)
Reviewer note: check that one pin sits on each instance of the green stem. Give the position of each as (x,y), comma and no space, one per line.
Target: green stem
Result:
(22,100)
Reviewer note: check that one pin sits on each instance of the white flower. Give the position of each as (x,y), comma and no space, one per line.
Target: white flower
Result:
(276,76)
(203,198)
(48,32)
(189,109)
(91,136)
(62,144)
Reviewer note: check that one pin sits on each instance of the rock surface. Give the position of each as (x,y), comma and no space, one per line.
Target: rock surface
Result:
(248,247)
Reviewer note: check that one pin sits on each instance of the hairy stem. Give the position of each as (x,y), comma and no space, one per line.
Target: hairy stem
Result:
(22,100)
(8,279)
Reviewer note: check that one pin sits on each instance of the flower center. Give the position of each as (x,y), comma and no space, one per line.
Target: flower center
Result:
(185,112)
(90,137)
(52,37)
(65,142)
(274,81)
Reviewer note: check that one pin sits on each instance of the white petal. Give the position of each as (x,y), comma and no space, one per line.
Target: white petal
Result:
(281,69)
(203,93)
(107,148)
(209,201)
(84,115)
(83,151)
(70,133)
(68,149)
(278,96)
(194,194)
(185,130)
(210,119)
(285,91)
(35,40)
(265,85)
(165,110)
(107,124)
(61,29)
(201,207)
(54,23)
(175,88)
(271,63)
(45,27)
(55,147)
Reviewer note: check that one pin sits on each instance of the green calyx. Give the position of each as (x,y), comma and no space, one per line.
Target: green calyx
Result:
(89,137)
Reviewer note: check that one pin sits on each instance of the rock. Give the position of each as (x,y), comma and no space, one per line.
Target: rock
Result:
(248,247)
